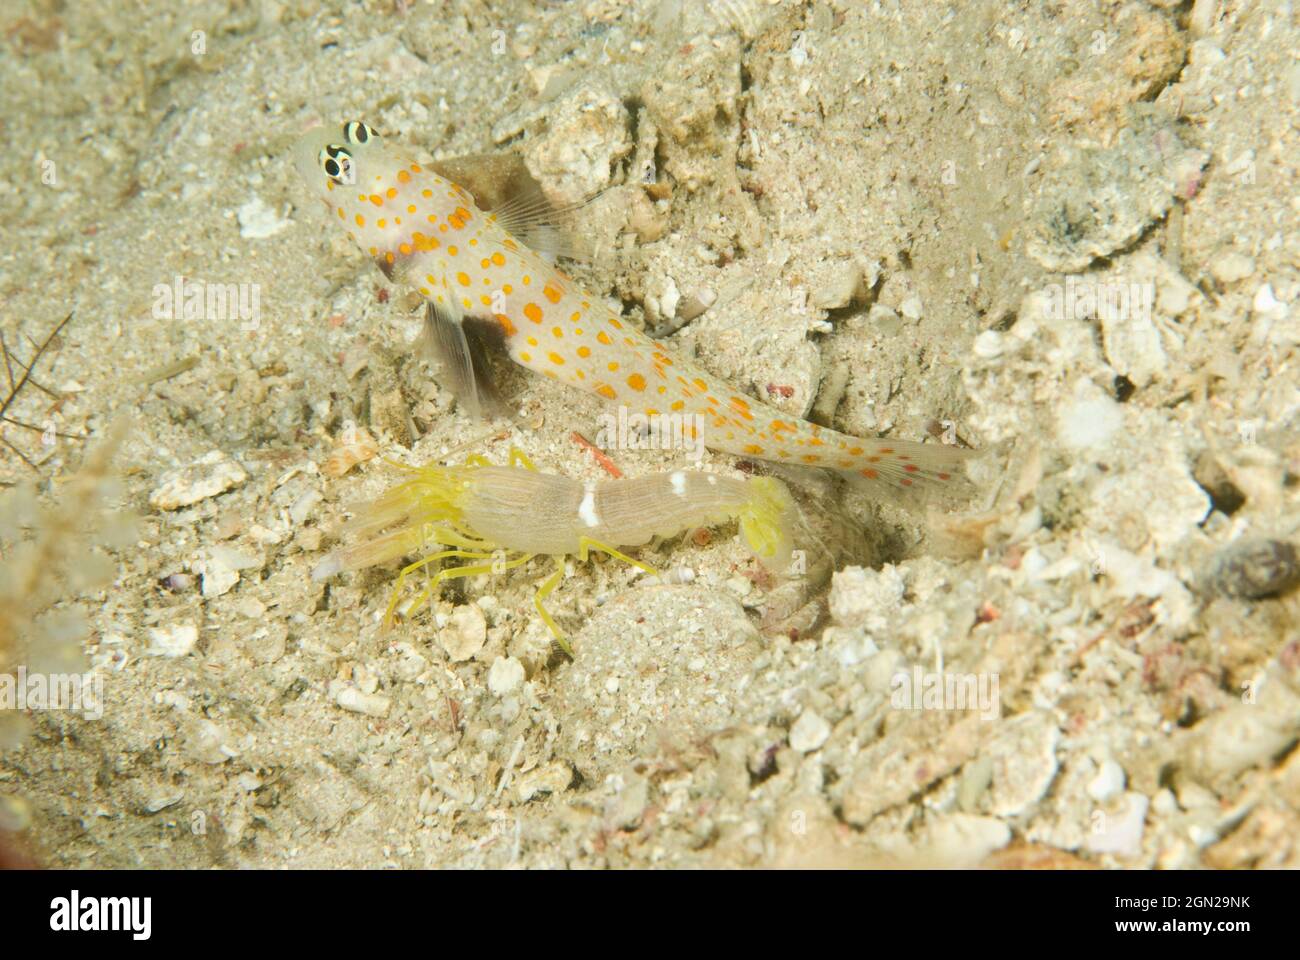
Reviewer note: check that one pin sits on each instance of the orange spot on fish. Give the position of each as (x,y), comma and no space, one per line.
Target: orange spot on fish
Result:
(636,382)
(533,312)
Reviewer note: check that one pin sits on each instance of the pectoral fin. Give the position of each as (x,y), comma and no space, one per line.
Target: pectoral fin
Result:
(460,354)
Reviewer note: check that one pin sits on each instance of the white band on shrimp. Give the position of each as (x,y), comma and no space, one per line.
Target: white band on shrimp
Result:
(587,509)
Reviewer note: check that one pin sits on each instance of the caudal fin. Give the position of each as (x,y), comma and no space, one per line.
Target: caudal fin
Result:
(901,468)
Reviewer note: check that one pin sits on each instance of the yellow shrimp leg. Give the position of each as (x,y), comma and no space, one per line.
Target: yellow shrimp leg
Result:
(586,544)
(470,571)
(423,562)
(517,459)
(520,459)
(545,591)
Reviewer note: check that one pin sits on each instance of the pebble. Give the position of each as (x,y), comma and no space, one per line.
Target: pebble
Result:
(464,634)
(1100,199)
(258,221)
(357,700)
(1090,420)
(809,732)
(1245,735)
(221,569)
(303,506)
(1266,302)
(214,474)
(553,777)
(961,839)
(1023,754)
(1232,267)
(989,345)
(208,742)
(586,134)
(172,641)
(1108,782)
(862,598)
(1120,833)
(15,813)
(504,676)
(1255,568)
(1132,344)
(161,801)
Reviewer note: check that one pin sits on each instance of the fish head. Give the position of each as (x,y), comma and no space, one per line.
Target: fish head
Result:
(329,158)
(392,207)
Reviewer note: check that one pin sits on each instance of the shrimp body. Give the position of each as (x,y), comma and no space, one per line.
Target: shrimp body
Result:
(424,231)
(549,514)
(486,512)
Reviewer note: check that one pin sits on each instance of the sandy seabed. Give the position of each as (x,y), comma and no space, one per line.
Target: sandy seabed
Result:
(1061,233)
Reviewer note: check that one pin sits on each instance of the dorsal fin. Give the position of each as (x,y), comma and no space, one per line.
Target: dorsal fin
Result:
(502,186)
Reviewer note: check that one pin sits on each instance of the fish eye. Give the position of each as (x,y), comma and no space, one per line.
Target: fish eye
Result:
(358,132)
(337,164)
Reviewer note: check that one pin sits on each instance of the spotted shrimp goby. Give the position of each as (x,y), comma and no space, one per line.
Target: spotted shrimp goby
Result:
(501,517)
(424,231)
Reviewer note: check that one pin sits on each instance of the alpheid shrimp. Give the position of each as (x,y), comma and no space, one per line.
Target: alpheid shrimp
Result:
(505,516)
